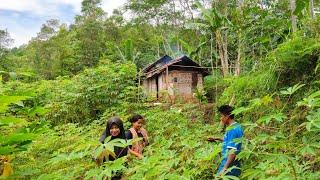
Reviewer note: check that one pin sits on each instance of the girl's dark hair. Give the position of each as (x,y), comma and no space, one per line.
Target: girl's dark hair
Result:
(226,110)
(135,118)
(113,120)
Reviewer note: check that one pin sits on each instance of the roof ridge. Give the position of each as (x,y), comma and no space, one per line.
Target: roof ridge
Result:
(156,62)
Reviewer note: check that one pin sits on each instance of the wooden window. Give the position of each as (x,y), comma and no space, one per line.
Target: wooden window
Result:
(175,79)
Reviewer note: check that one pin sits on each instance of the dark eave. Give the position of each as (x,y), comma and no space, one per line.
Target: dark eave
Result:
(182,62)
(160,62)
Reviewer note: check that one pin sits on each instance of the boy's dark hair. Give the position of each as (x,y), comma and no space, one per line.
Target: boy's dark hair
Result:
(226,110)
(135,118)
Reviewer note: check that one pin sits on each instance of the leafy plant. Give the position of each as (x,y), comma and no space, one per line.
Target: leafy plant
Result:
(88,95)
(292,90)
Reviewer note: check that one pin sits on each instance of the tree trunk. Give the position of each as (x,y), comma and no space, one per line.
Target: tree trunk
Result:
(293,17)
(237,64)
(223,53)
(311,3)
(221,38)
(211,53)
(225,50)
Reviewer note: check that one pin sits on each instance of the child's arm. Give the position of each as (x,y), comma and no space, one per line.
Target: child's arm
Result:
(230,159)
(214,139)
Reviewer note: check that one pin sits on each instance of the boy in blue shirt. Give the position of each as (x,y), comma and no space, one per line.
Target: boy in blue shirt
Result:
(231,143)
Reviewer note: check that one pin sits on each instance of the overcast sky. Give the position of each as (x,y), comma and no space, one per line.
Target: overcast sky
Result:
(23,18)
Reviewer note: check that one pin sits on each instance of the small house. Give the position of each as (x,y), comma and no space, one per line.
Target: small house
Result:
(179,77)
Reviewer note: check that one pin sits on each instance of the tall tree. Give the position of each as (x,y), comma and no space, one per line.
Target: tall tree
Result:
(49,29)
(44,55)
(217,25)
(89,33)
(5,43)
(155,12)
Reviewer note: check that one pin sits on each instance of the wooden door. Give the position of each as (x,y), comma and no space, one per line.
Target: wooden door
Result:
(194,81)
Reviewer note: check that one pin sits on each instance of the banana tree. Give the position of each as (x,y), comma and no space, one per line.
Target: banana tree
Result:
(129,53)
(216,24)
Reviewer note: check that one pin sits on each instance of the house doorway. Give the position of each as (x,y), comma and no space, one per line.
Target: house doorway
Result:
(194,81)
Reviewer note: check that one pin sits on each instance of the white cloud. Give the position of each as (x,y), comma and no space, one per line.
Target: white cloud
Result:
(22,36)
(19,5)
(38,7)
(43,7)
(18,30)
(41,10)
(109,5)
(35,6)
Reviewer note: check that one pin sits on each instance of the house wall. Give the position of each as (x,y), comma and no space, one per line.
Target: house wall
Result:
(145,84)
(181,84)
(163,84)
(150,87)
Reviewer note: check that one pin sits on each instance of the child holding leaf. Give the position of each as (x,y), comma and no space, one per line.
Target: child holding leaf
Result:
(115,130)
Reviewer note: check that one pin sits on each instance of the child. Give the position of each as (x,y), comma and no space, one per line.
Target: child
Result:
(137,131)
(231,147)
(114,128)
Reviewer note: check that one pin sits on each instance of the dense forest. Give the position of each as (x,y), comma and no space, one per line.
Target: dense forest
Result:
(58,90)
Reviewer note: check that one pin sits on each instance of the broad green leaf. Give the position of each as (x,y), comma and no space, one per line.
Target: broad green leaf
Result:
(5,150)
(307,150)
(38,111)
(16,138)
(292,90)
(4,120)
(7,100)
(312,101)
(240,110)
(267,119)
(214,153)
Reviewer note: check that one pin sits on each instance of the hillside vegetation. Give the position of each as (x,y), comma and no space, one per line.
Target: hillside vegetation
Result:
(57,91)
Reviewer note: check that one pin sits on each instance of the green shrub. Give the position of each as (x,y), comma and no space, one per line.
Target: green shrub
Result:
(214,86)
(86,96)
(296,60)
(246,87)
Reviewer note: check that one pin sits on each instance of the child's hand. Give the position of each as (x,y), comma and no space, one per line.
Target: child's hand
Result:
(213,139)
(140,156)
